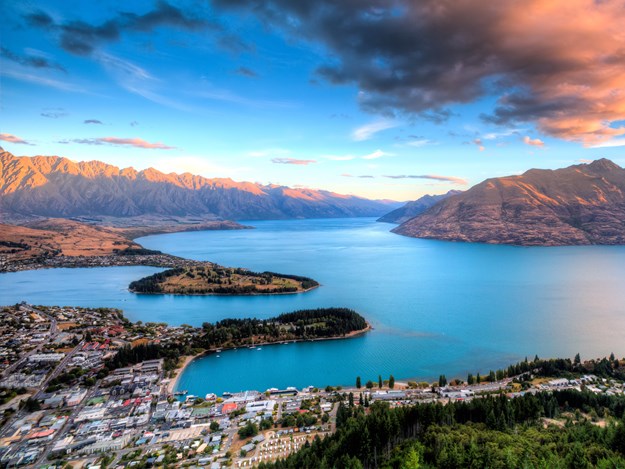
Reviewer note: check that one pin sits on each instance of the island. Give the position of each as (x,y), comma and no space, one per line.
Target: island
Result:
(62,243)
(213,279)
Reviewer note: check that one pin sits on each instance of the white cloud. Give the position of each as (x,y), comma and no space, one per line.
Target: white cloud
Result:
(340,157)
(367,131)
(420,143)
(376,154)
(38,80)
(615,142)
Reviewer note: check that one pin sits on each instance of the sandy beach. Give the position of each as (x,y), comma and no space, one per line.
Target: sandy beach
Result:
(173,381)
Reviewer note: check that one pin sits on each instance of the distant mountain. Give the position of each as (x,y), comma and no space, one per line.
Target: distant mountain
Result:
(52,186)
(581,204)
(414,208)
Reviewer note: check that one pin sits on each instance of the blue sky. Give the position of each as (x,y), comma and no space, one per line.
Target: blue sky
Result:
(267,92)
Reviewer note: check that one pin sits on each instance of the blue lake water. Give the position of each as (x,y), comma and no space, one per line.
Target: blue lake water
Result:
(436,307)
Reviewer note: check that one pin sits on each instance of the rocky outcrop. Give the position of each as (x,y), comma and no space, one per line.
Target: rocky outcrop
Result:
(414,208)
(581,204)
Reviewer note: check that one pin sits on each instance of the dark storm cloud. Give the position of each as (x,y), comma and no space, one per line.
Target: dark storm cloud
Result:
(81,38)
(246,72)
(35,61)
(53,114)
(39,19)
(93,121)
(556,63)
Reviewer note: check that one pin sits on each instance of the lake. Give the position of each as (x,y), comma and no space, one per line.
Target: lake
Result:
(437,307)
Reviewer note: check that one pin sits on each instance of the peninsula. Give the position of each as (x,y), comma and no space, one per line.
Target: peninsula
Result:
(58,242)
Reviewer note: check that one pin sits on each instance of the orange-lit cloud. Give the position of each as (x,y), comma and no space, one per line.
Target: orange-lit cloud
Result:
(535,142)
(131,142)
(292,161)
(555,63)
(14,139)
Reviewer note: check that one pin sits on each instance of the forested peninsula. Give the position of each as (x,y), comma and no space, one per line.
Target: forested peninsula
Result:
(302,325)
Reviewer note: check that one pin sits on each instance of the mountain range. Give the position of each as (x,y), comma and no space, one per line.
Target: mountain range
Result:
(415,207)
(581,204)
(52,186)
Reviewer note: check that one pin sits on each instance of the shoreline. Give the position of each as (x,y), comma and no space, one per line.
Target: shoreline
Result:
(173,382)
(349,335)
(227,294)
(189,358)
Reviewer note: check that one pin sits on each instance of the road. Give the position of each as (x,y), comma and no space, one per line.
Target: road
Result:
(53,333)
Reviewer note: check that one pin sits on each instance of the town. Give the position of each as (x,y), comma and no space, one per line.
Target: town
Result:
(64,399)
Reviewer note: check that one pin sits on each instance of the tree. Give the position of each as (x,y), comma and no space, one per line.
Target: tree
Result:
(391,382)
(470,379)
(250,429)
(577,360)
(413,457)
(351,399)
(442,381)
(369,384)
(214,426)
(358,383)
(478,379)
(380,381)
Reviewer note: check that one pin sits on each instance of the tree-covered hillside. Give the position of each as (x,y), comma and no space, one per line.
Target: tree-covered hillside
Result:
(493,432)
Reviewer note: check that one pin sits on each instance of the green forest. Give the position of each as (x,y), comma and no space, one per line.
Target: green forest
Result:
(492,432)
(299,325)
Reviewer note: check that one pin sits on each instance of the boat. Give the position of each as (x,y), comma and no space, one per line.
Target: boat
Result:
(259,348)
(218,350)
(181,393)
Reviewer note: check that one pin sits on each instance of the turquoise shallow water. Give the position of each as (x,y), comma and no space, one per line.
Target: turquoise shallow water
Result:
(436,307)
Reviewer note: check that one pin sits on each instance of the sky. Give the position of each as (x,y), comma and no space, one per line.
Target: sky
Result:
(384,99)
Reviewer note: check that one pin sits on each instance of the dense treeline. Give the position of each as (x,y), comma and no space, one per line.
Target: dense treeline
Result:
(493,432)
(129,355)
(555,367)
(303,324)
(152,283)
(137,252)
(307,283)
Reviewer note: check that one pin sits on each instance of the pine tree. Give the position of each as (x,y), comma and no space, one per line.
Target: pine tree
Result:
(391,382)
(358,383)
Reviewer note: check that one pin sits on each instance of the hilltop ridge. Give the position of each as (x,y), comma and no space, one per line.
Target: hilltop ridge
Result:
(581,204)
(52,186)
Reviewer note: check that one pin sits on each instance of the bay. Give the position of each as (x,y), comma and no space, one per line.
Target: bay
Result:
(436,307)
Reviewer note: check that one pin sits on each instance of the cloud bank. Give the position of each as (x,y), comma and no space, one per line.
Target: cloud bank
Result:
(129,142)
(292,161)
(14,139)
(555,63)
